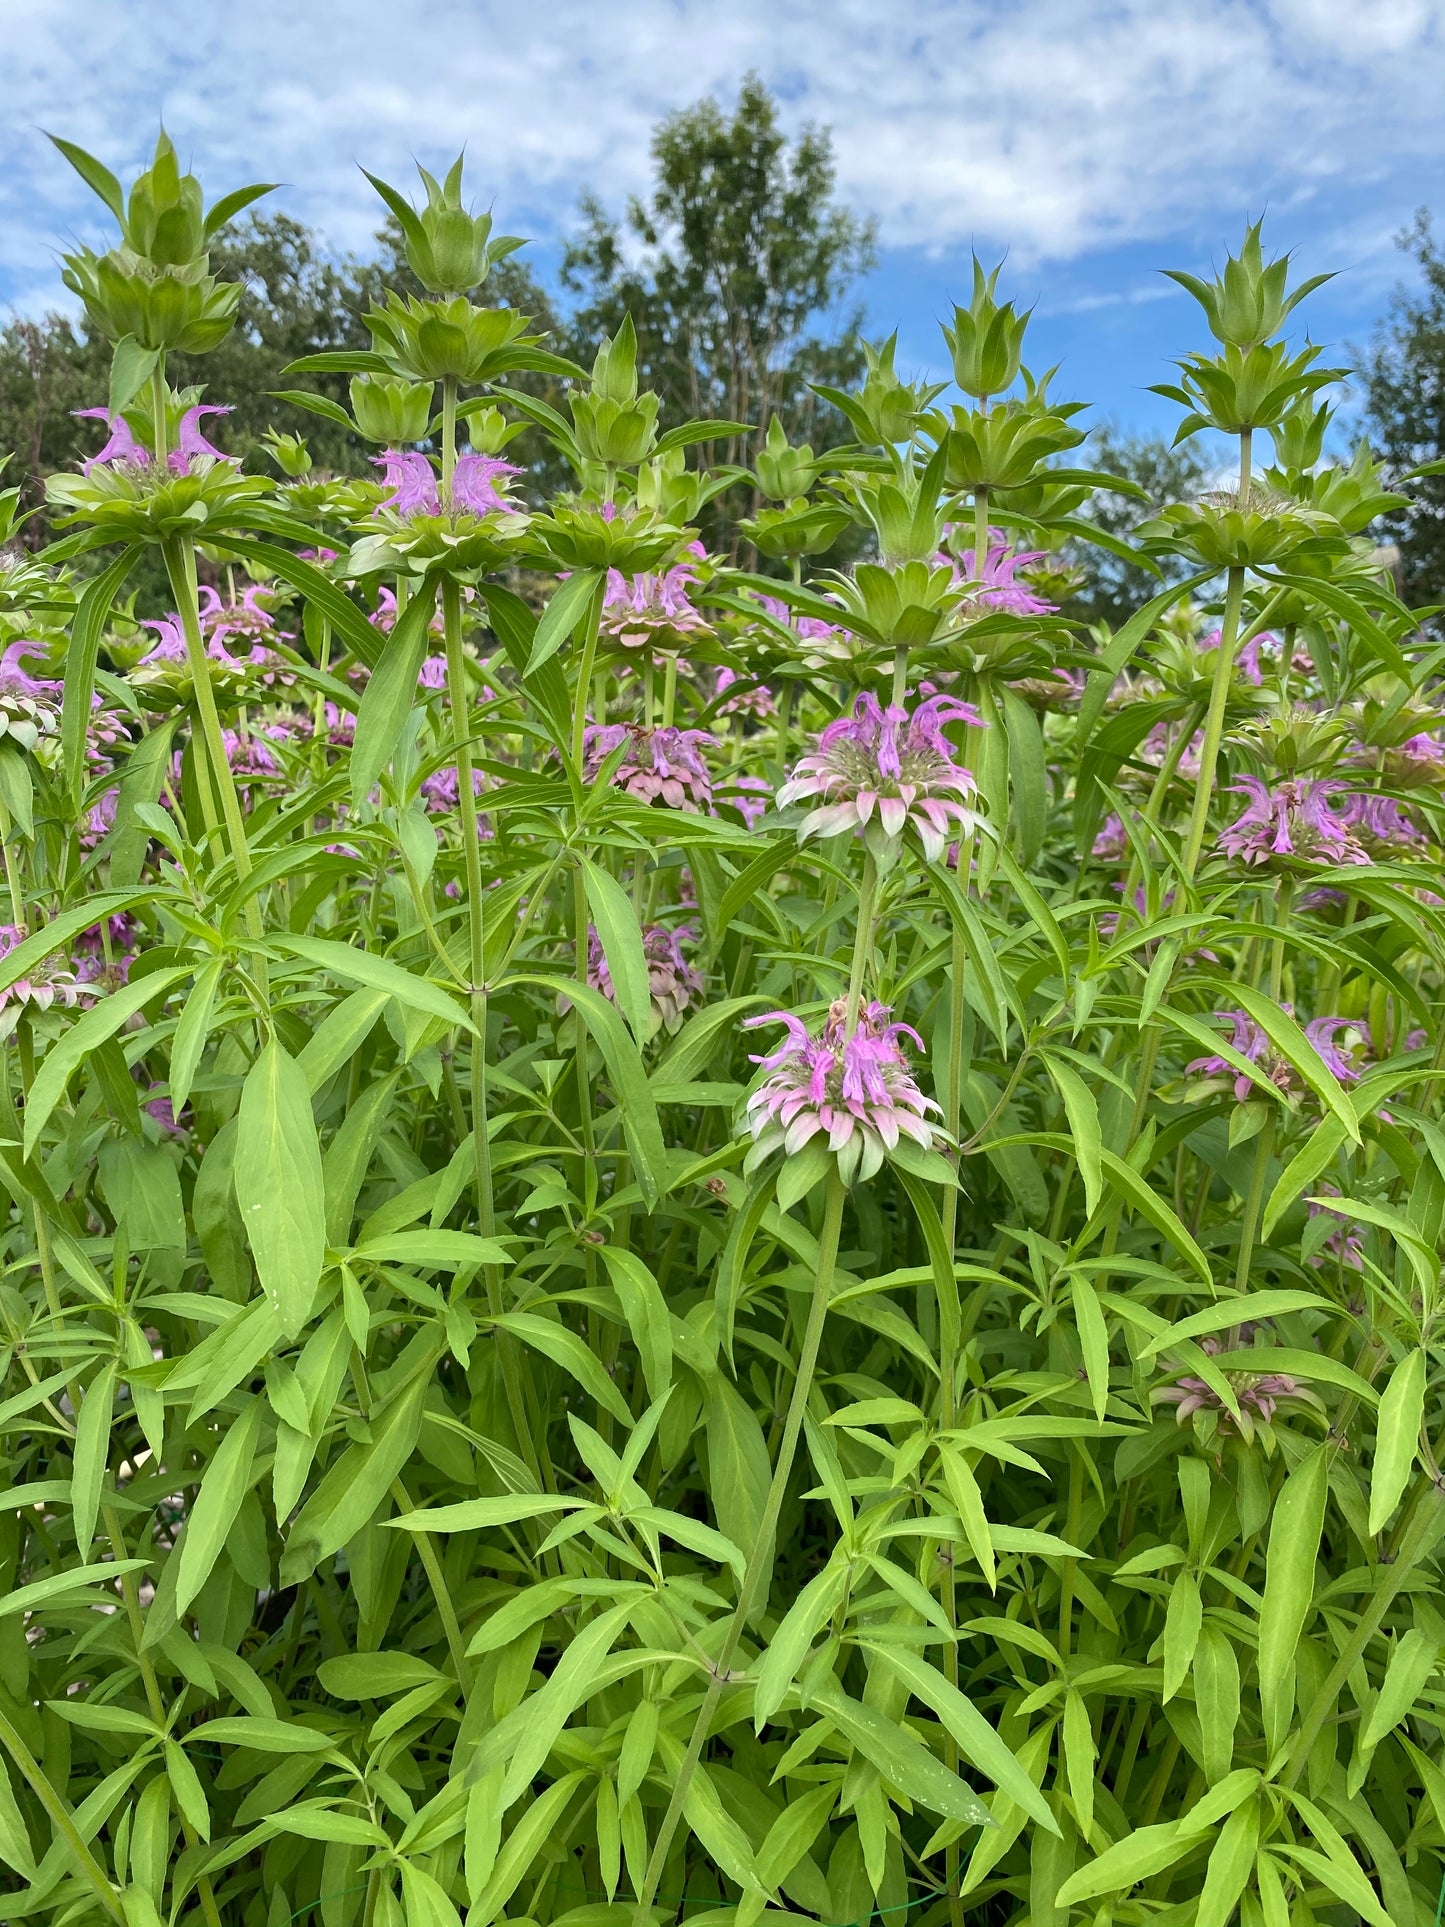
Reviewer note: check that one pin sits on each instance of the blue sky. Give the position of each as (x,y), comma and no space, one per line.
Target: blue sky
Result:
(1091,141)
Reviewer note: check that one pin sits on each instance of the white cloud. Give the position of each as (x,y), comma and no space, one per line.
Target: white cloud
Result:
(1054,127)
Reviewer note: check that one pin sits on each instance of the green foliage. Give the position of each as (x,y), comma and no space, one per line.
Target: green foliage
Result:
(482,1440)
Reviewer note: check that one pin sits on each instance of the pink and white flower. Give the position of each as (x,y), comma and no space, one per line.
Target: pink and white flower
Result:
(881,771)
(664,765)
(1295,820)
(855,1087)
(672,981)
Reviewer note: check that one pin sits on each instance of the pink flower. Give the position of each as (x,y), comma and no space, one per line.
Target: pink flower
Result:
(1380,820)
(660,765)
(995,591)
(882,770)
(474,484)
(1111,845)
(856,1088)
(749,796)
(121,449)
(1293,820)
(811,629)
(1256,1393)
(191,444)
(757,701)
(47,982)
(1346,1243)
(652,610)
(672,981)
(415,490)
(1246,659)
(1250,1040)
(441,793)
(412,481)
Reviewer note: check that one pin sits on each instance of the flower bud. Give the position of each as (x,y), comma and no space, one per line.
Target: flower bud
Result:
(390,410)
(784,473)
(164,219)
(1249,302)
(289,452)
(986,340)
(448,250)
(615,424)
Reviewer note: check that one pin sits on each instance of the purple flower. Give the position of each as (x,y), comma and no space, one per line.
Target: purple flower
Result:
(474,484)
(250,756)
(1111,845)
(1250,1040)
(101,819)
(1155,748)
(441,792)
(671,980)
(881,770)
(1380,820)
(123,931)
(29,705)
(757,701)
(660,765)
(121,449)
(749,796)
(433,673)
(995,590)
(163,1111)
(855,1087)
(1293,820)
(191,444)
(651,609)
(811,629)
(1246,659)
(1346,1243)
(171,644)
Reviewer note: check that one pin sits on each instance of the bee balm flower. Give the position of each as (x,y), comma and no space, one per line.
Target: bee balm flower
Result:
(1292,820)
(856,1087)
(880,770)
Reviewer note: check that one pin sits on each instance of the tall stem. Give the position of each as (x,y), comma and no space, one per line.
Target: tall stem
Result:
(160,425)
(449,435)
(862,943)
(1214,720)
(1254,1203)
(760,1563)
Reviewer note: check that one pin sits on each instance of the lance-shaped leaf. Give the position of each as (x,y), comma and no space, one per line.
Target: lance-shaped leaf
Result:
(616,924)
(279,1186)
(390,697)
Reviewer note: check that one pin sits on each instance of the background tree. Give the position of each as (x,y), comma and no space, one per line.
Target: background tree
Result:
(1404,378)
(740,256)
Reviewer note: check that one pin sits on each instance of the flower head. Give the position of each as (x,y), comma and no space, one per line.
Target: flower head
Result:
(659,765)
(29,705)
(415,490)
(1292,821)
(757,701)
(880,770)
(475,484)
(51,981)
(1246,659)
(412,481)
(854,1086)
(191,444)
(1250,1040)
(1345,1242)
(1380,820)
(1256,1393)
(651,609)
(994,590)
(1111,844)
(672,981)
(121,448)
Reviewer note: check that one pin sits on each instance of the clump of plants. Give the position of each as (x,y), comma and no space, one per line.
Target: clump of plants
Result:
(706,1238)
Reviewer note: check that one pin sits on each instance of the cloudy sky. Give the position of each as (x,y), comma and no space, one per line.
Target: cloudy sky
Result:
(1095,141)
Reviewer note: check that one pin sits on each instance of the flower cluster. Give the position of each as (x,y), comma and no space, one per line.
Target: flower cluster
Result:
(1250,1040)
(29,705)
(651,609)
(672,981)
(994,590)
(415,489)
(1292,823)
(1256,1394)
(664,765)
(881,771)
(51,981)
(122,450)
(853,1085)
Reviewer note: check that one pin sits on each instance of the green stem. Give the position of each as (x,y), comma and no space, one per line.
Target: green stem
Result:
(592,622)
(449,435)
(160,425)
(61,1820)
(1254,1203)
(441,1594)
(1214,720)
(862,943)
(760,1564)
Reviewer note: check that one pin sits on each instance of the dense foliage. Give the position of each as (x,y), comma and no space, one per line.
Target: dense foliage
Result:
(678,1241)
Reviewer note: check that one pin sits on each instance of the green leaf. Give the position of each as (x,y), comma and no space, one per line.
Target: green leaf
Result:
(901,1759)
(191,1032)
(621,939)
(15,1848)
(263,1736)
(1146,1201)
(569,603)
(365,968)
(25,1599)
(319,590)
(476,1515)
(648,1319)
(279,1185)
(81,654)
(225,1483)
(91,1456)
(978,1742)
(86,1035)
(443,1250)
(1292,1044)
(322,405)
(1083,1114)
(390,697)
(1138,1856)
(97,177)
(1294,1543)
(563,1346)
(1397,1437)
(374,1676)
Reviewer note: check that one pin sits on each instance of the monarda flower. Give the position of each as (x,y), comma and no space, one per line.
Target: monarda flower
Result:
(1111,845)
(1246,659)
(1292,822)
(29,705)
(48,982)
(663,766)
(856,1088)
(1380,821)
(121,449)
(881,771)
(651,610)
(757,701)
(671,980)
(441,795)
(1346,1242)
(1256,1393)
(1250,1040)
(993,591)
(415,489)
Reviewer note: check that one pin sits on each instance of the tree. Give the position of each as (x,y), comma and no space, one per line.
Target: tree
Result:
(1115,588)
(744,254)
(1405,409)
